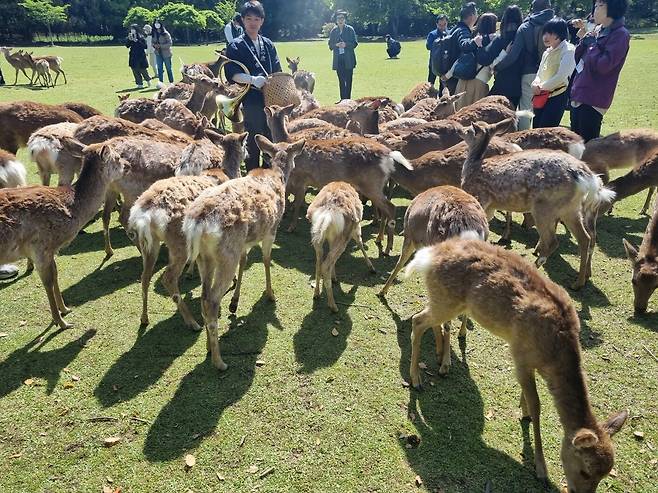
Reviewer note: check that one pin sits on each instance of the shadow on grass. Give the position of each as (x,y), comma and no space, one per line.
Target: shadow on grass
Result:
(315,348)
(449,420)
(205,392)
(648,320)
(31,361)
(611,230)
(93,242)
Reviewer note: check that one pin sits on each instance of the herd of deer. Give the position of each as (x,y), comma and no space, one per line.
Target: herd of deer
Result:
(180,184)
(41,66)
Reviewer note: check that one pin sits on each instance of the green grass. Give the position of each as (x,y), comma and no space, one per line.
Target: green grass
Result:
(326,412)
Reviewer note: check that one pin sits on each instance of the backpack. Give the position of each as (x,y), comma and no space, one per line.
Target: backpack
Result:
(540,47)
(444,54)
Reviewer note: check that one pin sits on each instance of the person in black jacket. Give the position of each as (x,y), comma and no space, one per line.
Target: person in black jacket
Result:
(440,32)
(507,82)
(137,61)
(393,47)
(463,36)
(342,41)
(259,55)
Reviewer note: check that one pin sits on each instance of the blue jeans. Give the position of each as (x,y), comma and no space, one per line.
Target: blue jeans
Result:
(159,60)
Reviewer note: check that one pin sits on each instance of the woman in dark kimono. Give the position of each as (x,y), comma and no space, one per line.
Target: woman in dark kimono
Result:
(342,41)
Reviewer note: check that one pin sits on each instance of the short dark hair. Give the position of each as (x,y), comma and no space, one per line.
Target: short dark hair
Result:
(616,8)
(487,23)
(557,26)
(468,10)
(237,17)
(441,17)
(512,15)
(253,7)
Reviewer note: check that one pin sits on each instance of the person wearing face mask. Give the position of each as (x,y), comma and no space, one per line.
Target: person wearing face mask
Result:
(259,55)
(440,32)
(550,84)
(162,45)
(150,52)
(600,56)
(342,41)
(136,45)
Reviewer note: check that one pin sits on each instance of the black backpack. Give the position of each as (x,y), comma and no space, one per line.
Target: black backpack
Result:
(444,54)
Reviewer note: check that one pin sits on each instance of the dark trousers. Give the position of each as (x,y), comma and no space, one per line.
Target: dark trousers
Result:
(2,79)
(431,77)
(451,84)
(586,122)
(255,123)
(551,114)
(139,74)
(345,82)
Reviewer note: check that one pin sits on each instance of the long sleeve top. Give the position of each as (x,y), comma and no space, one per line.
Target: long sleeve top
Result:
(348,36)
(557,65)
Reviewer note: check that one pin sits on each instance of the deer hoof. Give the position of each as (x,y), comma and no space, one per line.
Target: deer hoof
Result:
(63,324)
(444,369)
(221,366)
(233,307)
(65,311)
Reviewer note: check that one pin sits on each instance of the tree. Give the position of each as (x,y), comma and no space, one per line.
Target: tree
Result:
(44,12)
(214,22)
(181,16)
(139,16)
(226,10)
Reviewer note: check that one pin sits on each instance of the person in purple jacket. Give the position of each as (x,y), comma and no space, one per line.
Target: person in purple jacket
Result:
(600,56)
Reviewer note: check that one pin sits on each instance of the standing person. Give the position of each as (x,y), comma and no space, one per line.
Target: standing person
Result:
(438,33)
(136,45)
(259,55)
(393,47)
(507,82)
(600,56)
(2,79)
(162,45)
(552,80)
(468,45)
(342,41)
(479,87)
(233,29)
(527,52)
(150,52)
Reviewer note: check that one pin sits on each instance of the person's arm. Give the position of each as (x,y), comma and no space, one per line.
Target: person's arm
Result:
(561,77)
(228,32)
(352,42)
(465,41)
(488,54)
(605,59)
(431,37)
(276,63)
(165,42)
(142,43)
(518,46)
(129,42)
(332,40)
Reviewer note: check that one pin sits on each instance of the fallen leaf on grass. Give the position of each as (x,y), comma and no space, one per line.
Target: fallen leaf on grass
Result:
(75,378)
(638,434)
(489,415)
(242,440)
(220,477)
(419,481)
(334,332)
(613,473)
(17,455)
(29,382)
(111,441)
(107,489)
(68,385)
(383,331)
(266,472)
(260,362)
(253,469)
(22,323)
(190,461)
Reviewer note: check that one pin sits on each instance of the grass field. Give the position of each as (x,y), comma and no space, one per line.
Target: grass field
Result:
(325,412)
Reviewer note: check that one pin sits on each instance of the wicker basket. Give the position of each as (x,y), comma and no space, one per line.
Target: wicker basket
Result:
(280,90)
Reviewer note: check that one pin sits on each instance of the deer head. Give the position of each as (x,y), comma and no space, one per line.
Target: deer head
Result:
(366,114)
(588,455)
(282,154)
(446,106)
(645,275)
(293,64)
(123,97)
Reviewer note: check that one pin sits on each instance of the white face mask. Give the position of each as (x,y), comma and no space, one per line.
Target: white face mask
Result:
(158,26)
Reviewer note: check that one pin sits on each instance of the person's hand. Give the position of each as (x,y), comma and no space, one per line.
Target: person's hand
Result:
(478,40)
(536,90)
(258,81)
(578,23)
(341,44)
(156,45)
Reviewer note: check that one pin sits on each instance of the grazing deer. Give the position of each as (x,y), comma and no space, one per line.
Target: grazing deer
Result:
(335,215)
(304,80)
(535,316)
(17,61)
(636,180)
(157,217)
(12,171)
(224,222)
(19,119)
(35,222)
(438,214)
(552,185)
(645,266)
(50,147)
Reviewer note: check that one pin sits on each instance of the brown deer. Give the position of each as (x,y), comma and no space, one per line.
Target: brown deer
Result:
(635,181)
(82,109)
(54,64)
(12,171)
(48,148)
(17,61)
(157,217)
(645,266)
(335,215)
(420,91)
(552,185)
(304,80)
(432,109)
(19,119)
(42,71)
(35,222)
(556,138)
(224,222)
(535,316)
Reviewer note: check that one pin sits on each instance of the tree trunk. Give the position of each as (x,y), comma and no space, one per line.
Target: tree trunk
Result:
(50,35)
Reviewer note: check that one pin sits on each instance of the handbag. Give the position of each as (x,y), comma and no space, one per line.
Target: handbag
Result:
(540,100)
(465,67)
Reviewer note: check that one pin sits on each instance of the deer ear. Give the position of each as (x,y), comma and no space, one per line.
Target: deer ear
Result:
(288,60)
(456,97)
(376,104)
(288,109)
(265,145)
(615,423)
(297,147)
(445,93)
(584,438)
(243,137)
(631,251)
(74,146)
(269,111)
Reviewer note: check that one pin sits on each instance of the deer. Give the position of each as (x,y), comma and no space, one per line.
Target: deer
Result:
(42,71)
(361,162)
(552,185)
(177,116)
(557,138)
(636,180)
(19,119)
(623,149)
(12,171)
(36,222)
(101,128)
(420,91)
(435,215)
(335,215)
(54,64)
(17,61)
(304,80)
(433,109)
(48,148)
(82,109)
(224,222)
(307,102)
(535,316)
(157,217)
(644,264)
(135,110)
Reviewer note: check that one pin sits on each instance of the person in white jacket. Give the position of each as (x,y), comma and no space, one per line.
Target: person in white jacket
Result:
(556,67)
(150,52)
(233,29)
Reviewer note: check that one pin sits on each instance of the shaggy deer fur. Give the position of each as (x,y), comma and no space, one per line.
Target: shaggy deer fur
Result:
(224,222)
(556,138)
(420,91)
(335,215)
(645,265)
(12,171)
(157,217)
(49,148)
(432,109)
(35,222)
(82,109)
(136,110)
(552,185)
(54,64)
(304,80)
(101,128)
(636,180)
(535,316)
(175,114)
(19,119)
(307,102)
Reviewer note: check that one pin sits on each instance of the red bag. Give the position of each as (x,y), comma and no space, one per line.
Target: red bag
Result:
(540,100)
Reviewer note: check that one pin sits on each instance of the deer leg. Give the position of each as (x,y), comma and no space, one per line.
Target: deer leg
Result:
(408,249)
(44,174)
(647,203)
(223,278)
(170,279)
(356,234)
(206,273)
(318,269)
(300,195)
(44,265)
(266,246)
(574,223)
(419,324)
(64,74)
(233,307)
(108,207)
(507,233)
(387,209)
(336,248)
(16,79)
(149,258)
(63,309)
(464,326)
(548,242)
(526,378)
(438,339)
